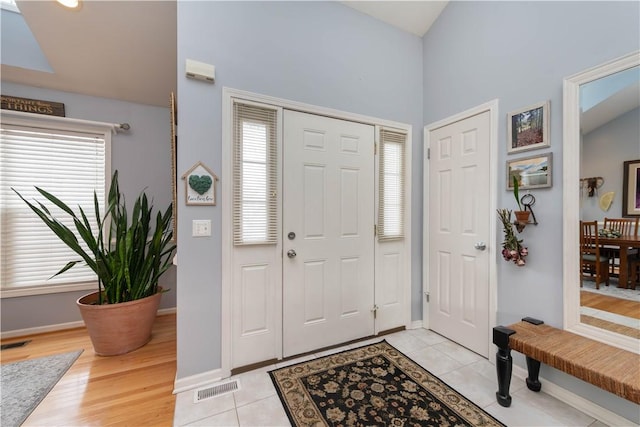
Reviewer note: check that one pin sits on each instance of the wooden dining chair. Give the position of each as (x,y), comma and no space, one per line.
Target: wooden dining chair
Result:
(627,227)
(591,259)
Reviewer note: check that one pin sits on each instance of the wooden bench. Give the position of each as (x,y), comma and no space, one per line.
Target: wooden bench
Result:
(605,366)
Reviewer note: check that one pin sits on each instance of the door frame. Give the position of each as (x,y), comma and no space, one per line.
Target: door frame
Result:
(492,108)
(228,97)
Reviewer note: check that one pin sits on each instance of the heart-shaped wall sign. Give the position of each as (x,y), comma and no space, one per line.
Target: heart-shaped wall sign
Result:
(200,184)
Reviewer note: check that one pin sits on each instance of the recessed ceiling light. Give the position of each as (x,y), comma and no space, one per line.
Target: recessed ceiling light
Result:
(71,4)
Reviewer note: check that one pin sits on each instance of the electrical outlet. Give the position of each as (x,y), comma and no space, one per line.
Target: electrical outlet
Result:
(201,227)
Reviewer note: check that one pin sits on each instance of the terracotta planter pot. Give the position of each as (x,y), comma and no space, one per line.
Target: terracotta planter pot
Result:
(522,216)
(119,328)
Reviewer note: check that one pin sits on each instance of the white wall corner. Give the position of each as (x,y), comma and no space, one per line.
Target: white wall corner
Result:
(416,324)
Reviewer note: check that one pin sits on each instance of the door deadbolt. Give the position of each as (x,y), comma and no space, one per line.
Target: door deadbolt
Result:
(291,235)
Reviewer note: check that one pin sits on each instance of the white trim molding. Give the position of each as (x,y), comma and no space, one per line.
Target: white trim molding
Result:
(571,153)
(62,326)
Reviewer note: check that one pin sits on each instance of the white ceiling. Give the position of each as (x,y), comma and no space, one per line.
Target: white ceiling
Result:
(415,17)
(114,49)
(619,103)
(127,49)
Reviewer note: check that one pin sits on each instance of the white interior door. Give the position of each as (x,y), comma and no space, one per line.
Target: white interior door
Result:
(328,203)
(458,229)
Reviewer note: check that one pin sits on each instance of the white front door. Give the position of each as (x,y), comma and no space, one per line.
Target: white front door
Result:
(459,205)
(328,232)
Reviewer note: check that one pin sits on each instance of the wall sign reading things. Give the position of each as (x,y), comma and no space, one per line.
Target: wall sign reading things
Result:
(36,106)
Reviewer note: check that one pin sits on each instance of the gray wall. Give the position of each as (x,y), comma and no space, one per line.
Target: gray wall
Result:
(321,53)
(519,52)
(142,157)
(604,151)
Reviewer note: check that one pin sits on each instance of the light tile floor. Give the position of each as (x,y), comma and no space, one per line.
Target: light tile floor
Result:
(257,404)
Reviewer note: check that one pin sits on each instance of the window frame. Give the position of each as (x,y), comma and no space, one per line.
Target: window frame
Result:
(43,122)
(382,235)
(272,179)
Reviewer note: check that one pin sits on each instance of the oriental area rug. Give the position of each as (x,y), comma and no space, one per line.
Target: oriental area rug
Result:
(24,384)
(372,385)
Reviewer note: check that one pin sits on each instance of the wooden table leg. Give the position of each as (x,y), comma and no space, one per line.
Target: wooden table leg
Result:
(624,269)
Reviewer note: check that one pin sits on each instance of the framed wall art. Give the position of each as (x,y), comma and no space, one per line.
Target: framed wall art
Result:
(528,128)
(531,172)
(200,185)
(631,189)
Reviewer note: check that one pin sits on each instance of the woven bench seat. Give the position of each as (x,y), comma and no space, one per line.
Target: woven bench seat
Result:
(605,366)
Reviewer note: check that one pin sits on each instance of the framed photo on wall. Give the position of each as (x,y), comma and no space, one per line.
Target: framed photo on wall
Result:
(528,128)
(531,172)
(631,189)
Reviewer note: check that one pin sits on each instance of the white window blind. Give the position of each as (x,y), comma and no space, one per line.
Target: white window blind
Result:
(69,165)
(391,185)
(254,175)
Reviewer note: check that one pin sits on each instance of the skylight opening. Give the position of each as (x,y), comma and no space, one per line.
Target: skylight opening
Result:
(9,5)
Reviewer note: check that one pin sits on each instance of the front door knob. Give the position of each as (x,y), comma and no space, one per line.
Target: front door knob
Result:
(481,246)
(291,253)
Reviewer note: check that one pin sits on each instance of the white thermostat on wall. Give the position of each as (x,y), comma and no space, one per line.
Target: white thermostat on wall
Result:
(200,71)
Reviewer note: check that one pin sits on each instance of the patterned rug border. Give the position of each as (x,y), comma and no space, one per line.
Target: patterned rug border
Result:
(382,341)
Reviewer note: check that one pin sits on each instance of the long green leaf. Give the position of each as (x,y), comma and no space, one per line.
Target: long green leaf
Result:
(129,253)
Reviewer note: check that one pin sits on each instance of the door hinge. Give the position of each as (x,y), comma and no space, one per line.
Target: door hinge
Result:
(375,230)
(426,295)
(374,310)
(375,148)
(428,153)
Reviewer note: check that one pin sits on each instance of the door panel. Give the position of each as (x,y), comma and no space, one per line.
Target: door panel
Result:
(328,202)
(459,218)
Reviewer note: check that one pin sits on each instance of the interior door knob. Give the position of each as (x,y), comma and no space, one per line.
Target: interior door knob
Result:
(481,246)
(291,253)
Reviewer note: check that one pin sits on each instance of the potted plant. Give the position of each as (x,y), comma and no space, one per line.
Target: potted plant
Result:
(128,255)
(522,216)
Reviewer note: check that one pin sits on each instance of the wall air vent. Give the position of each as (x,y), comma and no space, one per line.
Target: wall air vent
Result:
(215,390)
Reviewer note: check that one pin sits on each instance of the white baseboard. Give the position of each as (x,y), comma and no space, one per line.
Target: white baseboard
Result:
(580,403)
(197,381)
(42,329)
(416,324)
(62,326)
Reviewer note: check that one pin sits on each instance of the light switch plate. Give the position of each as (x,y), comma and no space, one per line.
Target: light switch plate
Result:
(201,228)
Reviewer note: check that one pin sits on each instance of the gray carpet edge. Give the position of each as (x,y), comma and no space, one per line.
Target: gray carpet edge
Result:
(24,384)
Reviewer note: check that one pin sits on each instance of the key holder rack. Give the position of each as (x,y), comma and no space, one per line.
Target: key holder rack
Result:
(528,200)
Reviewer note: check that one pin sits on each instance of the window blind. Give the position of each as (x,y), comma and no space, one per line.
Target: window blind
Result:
(254,175)
(391,185)
(69,165)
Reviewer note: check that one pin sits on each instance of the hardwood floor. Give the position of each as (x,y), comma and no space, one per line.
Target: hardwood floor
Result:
(610,326)
(611,304)
(134,389)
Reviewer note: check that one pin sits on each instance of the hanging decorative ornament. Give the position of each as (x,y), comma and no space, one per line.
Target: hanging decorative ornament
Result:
(606,200)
